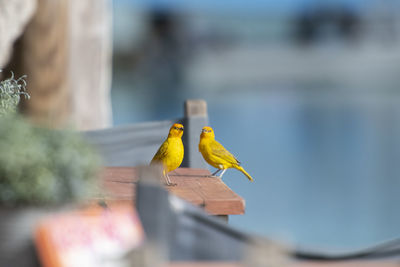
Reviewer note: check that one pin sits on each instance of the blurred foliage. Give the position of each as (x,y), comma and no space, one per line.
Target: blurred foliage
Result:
(43,166)
(38,165)
(11,90)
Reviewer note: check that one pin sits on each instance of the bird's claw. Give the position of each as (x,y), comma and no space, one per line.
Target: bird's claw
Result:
(171,184)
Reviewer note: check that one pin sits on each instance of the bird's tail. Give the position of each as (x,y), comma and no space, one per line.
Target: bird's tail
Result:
(240,168)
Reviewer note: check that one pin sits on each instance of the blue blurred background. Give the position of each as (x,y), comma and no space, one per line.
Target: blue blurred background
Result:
(305,93)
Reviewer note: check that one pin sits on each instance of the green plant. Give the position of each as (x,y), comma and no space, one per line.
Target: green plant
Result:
(39,165)
(11,90)
(43,166)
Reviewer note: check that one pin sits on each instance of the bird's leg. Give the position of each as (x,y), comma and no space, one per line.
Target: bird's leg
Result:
(223,171)
(215,173)
(169,183)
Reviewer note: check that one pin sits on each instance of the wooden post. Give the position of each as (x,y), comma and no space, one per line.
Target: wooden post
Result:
(155,213)
(197,107)
(65,51)
(14,15)
(90,63)
(42,54)
(195,119)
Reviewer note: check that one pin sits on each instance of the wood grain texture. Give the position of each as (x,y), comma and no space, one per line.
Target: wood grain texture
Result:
(90,63)
(196,117)
(42,53)
(65,51)
(195,107)
(193,185)
(14,15)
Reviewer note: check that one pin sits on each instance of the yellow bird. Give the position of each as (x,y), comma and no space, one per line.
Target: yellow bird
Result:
(170,153)
(216,155)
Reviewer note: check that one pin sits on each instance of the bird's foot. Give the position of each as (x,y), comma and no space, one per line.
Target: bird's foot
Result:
(171,184)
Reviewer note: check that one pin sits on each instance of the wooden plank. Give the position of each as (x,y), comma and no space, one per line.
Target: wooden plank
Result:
(193,185)
(120,174)
(216,196)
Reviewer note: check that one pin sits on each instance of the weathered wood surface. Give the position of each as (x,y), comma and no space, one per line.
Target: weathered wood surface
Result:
(195,108)
(193,185)
(14,15)
(195,119)
(65,50)
(42,54)
(90,63)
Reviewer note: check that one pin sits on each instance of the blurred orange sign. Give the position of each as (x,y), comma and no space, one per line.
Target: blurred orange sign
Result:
(95,236)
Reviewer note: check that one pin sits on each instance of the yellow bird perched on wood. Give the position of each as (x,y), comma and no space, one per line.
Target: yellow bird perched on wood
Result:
(216,155)
(170,153)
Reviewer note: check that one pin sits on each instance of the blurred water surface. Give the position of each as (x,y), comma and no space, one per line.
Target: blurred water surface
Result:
(317,127)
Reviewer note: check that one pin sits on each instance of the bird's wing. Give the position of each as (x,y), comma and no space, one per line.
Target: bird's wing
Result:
(218,150)
(161,152)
